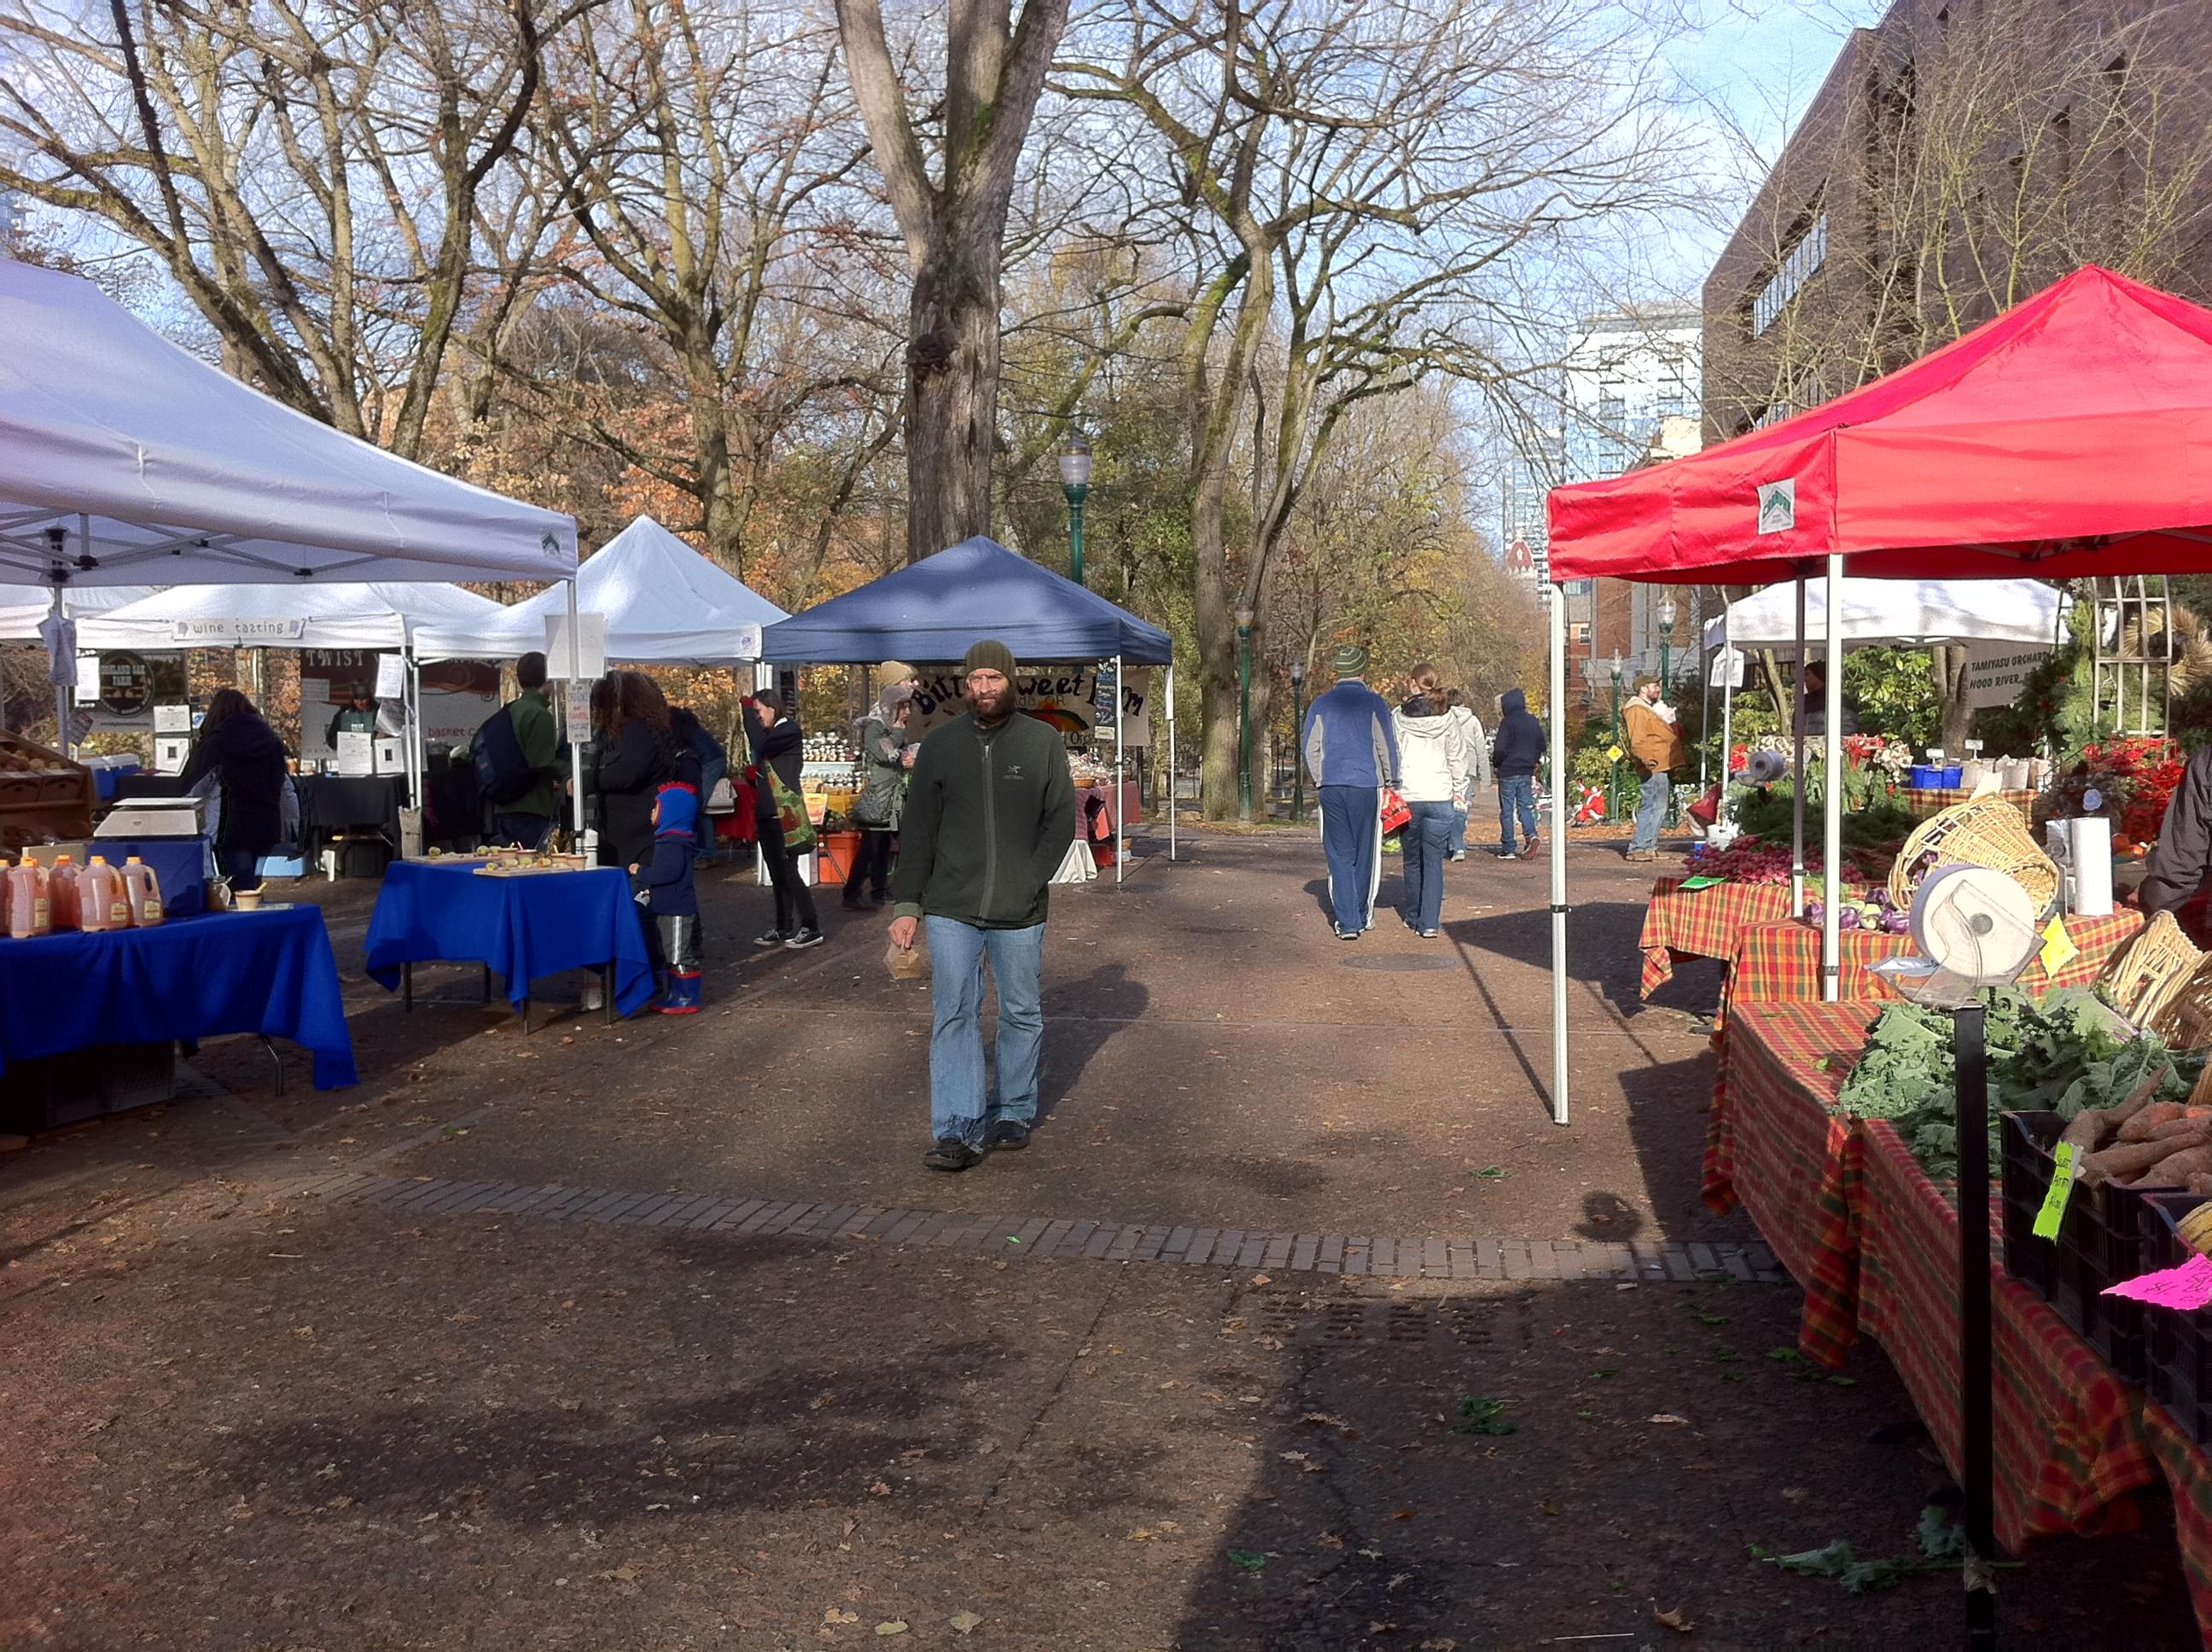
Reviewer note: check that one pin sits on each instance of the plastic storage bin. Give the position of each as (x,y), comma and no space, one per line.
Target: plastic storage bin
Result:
(2177,1346)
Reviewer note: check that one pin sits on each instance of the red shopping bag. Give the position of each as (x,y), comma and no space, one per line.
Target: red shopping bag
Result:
(1397,813)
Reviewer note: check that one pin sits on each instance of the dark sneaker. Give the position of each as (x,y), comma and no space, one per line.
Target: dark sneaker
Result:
(952,1153)
(854,903)
(1528,850)
(774,938)
(803,938)
(1009,1136)
(1507,855)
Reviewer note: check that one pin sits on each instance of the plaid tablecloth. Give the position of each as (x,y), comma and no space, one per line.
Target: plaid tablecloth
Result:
(1703,923)
(1924,801)
(1771,1143)
(2070,1443)
(1781,960)
(2189,1473)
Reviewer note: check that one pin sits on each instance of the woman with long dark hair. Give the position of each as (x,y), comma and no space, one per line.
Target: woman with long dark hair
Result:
(778,747)
(635,754)
(246,761)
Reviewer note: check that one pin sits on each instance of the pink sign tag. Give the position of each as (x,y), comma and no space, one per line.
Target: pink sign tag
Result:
(2187,1287)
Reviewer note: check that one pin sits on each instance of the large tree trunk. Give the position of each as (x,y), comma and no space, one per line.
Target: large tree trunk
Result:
(953,399)
(1958,726)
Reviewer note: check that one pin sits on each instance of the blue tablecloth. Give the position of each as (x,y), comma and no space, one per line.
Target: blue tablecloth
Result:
(225,972)
(524,927)
(179,866)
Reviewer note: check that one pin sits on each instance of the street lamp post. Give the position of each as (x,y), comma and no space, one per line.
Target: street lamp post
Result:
(1075,483)
(1244,713)
(1297,741)
(1612,785)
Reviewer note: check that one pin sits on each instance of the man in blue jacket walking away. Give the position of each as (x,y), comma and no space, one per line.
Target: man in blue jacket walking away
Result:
(1352,755)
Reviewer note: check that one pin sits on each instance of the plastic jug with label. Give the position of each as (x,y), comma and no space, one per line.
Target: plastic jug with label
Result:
(101,903)
(29,911)
(144,891)
(62,893)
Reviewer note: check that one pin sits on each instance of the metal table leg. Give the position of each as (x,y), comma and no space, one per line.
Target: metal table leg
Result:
(407,986)
(607,991)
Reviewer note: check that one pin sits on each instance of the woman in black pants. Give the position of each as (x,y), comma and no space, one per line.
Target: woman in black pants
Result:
(776,744)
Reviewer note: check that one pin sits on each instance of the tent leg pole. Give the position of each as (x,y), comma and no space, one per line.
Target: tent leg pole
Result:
(62,696)
(1121,826)
(1558,710)
(575,747)
(1795,723)
(1831,846)
(1171,763)
(1727,719)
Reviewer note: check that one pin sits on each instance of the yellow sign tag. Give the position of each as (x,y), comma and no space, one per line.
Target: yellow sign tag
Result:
(2062,1188)
(2058,948)
(1615,754)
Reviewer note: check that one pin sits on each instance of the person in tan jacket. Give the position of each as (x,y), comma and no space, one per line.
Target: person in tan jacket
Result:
(1657,748)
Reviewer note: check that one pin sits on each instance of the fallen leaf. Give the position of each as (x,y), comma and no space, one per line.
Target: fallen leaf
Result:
(1440,1644)
(1139,1534)
(895,1626)
(1331,1540)
(1261,1278)
(1400,1578)
(1678,1619)
(1668,1416)
(1401,1513)
(834,1616)
(1795,1493)
(1248,1560)
(879,1489)
(965,1621)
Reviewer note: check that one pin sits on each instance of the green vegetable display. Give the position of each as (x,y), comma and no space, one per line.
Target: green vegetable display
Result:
(2067,1053)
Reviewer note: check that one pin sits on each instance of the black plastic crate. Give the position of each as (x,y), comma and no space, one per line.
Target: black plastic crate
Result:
(2179,1346)
(46,1092)
(2099,1243)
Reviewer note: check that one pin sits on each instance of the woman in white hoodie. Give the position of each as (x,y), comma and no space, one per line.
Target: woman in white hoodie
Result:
(1432,759)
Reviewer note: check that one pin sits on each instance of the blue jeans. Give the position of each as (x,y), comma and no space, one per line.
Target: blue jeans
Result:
(1426,837)
(1651,811)
(530,831)
(1351,834)
(1455,843)
(1516,795)
(958,1104)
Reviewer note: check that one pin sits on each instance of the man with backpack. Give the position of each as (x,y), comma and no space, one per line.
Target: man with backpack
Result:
(517,751)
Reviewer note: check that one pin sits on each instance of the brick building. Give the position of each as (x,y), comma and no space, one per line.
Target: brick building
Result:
(1960,155)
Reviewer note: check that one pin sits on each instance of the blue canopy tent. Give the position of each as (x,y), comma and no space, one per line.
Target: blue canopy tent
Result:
(931,610)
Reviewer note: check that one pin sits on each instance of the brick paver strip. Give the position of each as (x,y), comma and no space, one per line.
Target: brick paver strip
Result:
(652,1207)
(909,1223)
(1103,1239)
(412,1197)
(735,1216)
(1303,1254)
(1048,1242)
(760,1218)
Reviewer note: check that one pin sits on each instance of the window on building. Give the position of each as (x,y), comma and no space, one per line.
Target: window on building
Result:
(1796,266)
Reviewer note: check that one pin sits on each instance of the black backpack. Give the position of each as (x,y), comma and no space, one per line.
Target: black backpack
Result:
(502,773)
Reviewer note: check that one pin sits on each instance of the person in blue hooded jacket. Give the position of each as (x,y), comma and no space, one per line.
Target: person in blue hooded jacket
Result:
(1515,756)
(666,889)
(1351,753)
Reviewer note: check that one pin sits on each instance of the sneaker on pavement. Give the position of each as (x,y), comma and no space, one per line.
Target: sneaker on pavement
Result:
(1008,1136)
(1344,934)
(1641,855)
(772,937)
(1459,854)
(952,1153)
(799,941)
(1528,850)
(1428,935)
(1505,854)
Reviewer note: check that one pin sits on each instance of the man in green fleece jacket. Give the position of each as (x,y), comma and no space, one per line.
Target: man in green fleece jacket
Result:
(990,812)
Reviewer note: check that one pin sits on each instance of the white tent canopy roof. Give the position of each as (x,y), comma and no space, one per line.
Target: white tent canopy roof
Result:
(665,603)
(189,477)
(19,621)
(1907,613)
(303,616)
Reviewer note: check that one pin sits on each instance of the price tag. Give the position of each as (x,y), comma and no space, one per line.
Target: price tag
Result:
(578,712)
(2058,948)
(1615,754)
(2062,1188)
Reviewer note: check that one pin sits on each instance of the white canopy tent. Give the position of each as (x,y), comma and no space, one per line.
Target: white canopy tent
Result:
(124,459)
(1895,613)
(1900,613)
(306,616)
(665,605)
(20,622)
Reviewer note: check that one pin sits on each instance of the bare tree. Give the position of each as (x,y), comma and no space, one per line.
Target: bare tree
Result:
(309,173)
(954,224)
(1367,193)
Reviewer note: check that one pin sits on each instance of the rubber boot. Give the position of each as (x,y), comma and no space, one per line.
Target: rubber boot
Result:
(683,996)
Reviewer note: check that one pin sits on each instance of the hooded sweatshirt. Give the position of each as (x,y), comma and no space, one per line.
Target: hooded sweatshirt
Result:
(1431,750)
(1520,744)
(665,876)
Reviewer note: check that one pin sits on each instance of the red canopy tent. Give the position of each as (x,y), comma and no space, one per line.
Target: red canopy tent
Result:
(2070,436)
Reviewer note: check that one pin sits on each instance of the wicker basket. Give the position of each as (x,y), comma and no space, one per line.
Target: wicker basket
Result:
(2184,1020)
(2144,981)
(1985,832)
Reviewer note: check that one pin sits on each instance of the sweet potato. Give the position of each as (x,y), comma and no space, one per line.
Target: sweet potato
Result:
(2125,1161)
(2175,1127)
(2147,1121)
(2201,1184)
(2175,1170)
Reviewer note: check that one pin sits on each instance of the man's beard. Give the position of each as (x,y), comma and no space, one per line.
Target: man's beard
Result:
(990,707)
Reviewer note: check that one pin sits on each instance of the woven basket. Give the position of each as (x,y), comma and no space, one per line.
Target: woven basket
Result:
(2145,981)
(2184,1020)
(1985,832)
